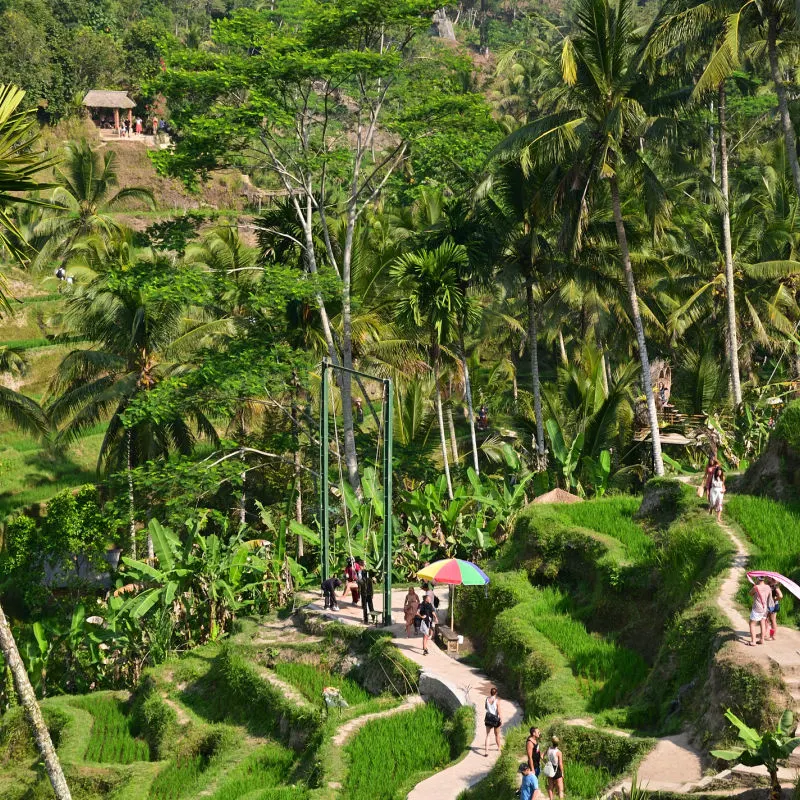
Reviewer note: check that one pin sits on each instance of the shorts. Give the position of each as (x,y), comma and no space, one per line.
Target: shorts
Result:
(757,616)
(424,628)
(774,609)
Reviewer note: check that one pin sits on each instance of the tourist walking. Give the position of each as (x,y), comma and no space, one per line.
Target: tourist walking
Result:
(329,588)
(410,608)
(138,126)
(554,769)
(759,611)
(427,616)
(533,751)
(716,492)
(709,475)
(492,720)
(529,790)
(774,607)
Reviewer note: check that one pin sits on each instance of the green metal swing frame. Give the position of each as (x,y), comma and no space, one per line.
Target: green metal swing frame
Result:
(324,492)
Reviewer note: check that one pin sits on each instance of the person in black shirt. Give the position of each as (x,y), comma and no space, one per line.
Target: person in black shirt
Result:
(329,588)
(427,614)
(366,582)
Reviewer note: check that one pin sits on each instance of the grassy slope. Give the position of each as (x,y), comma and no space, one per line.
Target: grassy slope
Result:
(216,727)
(537,635)
(773,530)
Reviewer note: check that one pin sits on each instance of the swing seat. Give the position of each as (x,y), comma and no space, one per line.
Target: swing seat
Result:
(448,637)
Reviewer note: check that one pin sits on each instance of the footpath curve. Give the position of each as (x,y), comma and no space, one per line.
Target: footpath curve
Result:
(471,684)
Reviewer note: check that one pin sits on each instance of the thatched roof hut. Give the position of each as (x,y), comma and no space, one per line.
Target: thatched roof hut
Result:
(107,98)
(557,496)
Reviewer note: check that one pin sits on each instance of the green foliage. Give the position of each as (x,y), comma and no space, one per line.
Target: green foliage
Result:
(787,428)
(112,740)
(242,695)
(152,719)
(386,753)
(263,772)
(311,680)
(774,528)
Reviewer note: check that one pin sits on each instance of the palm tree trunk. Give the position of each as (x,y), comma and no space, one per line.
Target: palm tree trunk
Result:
(622,240)
(442,436)
(533,349)
(470,410)
(775,791)
(562,348)
(453,438)
(730,291)
(783,104)
(41,735)
(131,505)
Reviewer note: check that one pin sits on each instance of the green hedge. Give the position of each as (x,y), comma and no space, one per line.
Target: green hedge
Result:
(236,692)
(787,427)
(153,719)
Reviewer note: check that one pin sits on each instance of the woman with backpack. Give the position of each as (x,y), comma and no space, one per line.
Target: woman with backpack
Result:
(554,769)
(492,720)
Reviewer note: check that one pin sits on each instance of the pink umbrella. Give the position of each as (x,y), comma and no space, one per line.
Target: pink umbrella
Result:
(789,584)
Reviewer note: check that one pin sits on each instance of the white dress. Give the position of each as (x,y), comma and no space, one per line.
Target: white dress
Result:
(715,493)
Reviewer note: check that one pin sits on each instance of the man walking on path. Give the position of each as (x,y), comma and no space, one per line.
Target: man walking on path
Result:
(530,785)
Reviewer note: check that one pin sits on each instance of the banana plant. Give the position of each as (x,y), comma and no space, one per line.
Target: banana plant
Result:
(568,457)
(768,749)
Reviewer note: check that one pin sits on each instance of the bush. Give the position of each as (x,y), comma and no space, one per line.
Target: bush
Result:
(236,692)
(460,730)
(664,500)
(614,755)
(383,668)
(16,739)
(787,428)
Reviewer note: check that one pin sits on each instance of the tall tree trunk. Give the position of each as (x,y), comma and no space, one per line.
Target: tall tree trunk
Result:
(533,350)
(34,714)
(131,504)
(622,239)
(442,436)
(453,438)
(298,482)
(712,147)
(484,28)
(730,292)
(783,104)
(470,409)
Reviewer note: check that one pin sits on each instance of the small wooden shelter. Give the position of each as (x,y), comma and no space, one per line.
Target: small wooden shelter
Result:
(110,100)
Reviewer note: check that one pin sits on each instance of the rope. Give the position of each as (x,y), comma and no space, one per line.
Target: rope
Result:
(341,482)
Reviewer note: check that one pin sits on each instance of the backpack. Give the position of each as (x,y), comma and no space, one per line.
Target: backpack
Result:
(435,601)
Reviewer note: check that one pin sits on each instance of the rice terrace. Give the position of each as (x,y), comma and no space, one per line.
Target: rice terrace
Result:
(399,401)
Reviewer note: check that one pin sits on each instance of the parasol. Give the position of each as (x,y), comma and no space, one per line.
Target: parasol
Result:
(789,584)
(455,572)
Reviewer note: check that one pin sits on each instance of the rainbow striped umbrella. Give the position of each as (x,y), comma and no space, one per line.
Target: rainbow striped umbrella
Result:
(454,571)
(457,573)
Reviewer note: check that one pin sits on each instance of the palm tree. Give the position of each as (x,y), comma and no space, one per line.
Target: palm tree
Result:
(20,161)
(431,300)
(599,121)
(139,338)
(83,201)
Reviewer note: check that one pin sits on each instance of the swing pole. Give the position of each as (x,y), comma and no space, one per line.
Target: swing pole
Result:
(387,502)
(323,469)
(387,479)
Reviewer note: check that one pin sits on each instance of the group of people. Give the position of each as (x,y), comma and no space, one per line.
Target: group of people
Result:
(767,596)
(136,125)
(420,613)
(713,487)
(358,580)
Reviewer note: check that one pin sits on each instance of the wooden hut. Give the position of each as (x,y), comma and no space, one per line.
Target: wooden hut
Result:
(115,101)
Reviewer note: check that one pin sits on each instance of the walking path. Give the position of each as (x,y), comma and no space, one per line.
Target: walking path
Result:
(466,681)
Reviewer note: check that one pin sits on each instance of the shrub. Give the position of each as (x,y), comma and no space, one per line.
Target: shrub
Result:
(16,740)
(664,500)
(460,730)
(787,428)
(238,693)
(599,749)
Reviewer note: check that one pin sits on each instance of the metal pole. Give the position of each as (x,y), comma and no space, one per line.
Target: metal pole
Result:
(387,503)
(323,469)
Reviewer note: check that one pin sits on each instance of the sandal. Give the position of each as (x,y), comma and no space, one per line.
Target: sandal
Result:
(749,644)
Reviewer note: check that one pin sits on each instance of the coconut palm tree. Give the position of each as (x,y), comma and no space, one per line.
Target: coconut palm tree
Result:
(84,200)
(20,162)
(431,302)
(139,337)
(599,121)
